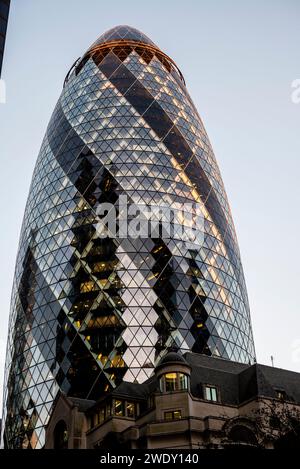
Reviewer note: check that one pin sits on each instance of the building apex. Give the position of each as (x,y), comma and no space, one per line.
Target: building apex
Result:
(123,33)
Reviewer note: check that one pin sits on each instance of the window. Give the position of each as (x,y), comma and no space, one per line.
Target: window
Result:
(130,409)
(280,394)
(173,415)
(210,393)
(119,408)
(108,409)
(171,381)
(86,287)
(60,435)
(151,401)
(241,434)
(123,409)
(174,382)
(101,415)
(183,381)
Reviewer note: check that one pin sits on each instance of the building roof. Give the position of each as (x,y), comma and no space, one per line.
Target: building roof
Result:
(172,357)
(267,381)
(221,373)
(236,382)
(136,390)
(197,359)
(239,382)
(82,404)
(123,33)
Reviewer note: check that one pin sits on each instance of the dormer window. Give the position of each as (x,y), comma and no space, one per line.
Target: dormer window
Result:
(174,382)
(280,394)
(124,408)
(119,409)
(130,409)
(210,393)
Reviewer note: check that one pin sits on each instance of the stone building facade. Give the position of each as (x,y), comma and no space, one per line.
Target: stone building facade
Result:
(191,402)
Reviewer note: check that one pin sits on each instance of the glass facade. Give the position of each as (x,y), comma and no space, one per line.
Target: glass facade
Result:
(88,312)
(4,11)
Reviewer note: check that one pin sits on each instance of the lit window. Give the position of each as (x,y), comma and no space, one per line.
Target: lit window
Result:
(86,287)
(173,415)
(119,408)
(171,381)
(174,382)
(130,410)
(210,393)
(117,362)
(103,321)
(99,267)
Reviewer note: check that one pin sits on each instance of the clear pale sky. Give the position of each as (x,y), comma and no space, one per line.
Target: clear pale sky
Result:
(239,59)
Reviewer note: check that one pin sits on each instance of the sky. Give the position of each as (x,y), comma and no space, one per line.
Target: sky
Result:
(239,60)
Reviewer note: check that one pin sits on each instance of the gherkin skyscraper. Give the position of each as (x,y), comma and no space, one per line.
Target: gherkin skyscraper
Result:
(89,311)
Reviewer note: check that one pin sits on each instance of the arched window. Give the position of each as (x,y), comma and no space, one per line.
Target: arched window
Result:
(241,434)
(60,435)
(174,382)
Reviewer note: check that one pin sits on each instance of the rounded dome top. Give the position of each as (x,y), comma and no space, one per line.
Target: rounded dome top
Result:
(123,33)
(172,357)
